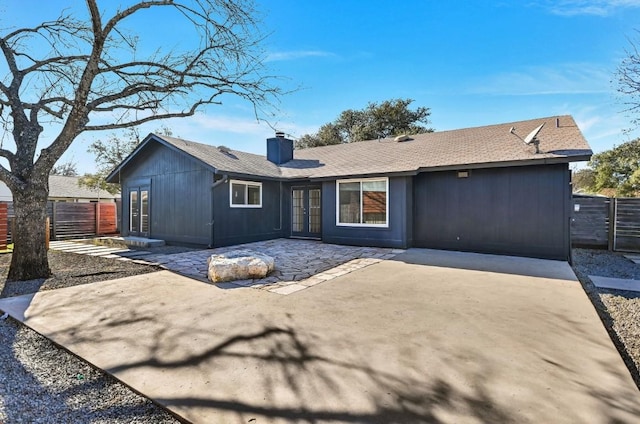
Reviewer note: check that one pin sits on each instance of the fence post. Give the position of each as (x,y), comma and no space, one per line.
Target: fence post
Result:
(612,224)
(54,220)
(97,218)
(48,232)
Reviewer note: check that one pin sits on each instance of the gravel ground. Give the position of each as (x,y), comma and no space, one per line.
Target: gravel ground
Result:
(619,310)
(42,383)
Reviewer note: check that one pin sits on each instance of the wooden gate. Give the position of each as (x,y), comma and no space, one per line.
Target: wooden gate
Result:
(626,234)
(602,222)
(590,221)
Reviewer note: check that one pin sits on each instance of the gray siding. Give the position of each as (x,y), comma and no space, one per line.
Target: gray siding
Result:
(521,211)
(398,234)
(180,198)
(243,225)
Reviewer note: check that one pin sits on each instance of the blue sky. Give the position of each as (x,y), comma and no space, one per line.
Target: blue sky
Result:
(473,63)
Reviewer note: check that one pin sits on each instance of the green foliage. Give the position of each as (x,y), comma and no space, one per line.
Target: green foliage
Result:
(583,180)
(97,182)
(618,169)
(66,169)
(389,118)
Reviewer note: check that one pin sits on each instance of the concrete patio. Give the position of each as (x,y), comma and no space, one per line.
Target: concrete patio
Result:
(428,336)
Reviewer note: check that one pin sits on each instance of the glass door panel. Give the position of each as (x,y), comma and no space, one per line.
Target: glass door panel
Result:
(144,212)
(297,218)
(315,216)
(306,212)
(134,216)
(139,211)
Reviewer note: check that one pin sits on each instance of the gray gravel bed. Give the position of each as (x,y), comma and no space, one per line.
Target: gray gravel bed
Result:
(618,309)
(69,269)
(42,383)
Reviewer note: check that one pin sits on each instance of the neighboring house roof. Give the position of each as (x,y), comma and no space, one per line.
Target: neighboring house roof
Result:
(67,187)
(489,146)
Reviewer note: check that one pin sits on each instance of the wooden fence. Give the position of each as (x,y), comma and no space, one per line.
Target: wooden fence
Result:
(609,223)
(4,225)
(73,220)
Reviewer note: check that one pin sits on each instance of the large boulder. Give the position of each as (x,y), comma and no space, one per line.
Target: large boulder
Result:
(239,265)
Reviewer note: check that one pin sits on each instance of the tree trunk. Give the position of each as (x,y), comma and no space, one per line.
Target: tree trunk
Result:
(29,260)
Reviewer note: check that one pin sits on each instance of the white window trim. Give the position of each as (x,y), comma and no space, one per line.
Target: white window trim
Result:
(361,180)
(246,194)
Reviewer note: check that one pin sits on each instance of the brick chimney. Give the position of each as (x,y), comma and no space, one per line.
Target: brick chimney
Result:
(279,149)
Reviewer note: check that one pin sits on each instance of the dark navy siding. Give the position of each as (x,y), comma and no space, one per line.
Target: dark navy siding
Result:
(243,225)
(396,235)
(180,198)
(520,211)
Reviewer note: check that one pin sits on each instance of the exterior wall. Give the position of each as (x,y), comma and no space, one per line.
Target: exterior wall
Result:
(244,225)
(522,211)
(397,235)
(180,195)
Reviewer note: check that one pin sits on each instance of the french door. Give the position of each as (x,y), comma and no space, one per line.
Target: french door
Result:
(306,212)
(139,211)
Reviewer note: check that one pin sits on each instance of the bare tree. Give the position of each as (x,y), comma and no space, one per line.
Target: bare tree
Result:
(88,72)
(627,77)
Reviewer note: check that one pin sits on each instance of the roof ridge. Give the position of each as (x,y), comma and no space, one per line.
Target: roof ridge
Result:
(207,146)
(512,123)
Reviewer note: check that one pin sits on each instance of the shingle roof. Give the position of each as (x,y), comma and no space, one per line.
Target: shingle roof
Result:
(492,145)
(61,186)
(227,161)
(487,146)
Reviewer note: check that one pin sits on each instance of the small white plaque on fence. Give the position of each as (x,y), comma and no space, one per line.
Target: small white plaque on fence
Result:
(576,207)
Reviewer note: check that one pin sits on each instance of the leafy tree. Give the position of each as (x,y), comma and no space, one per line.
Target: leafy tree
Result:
(66,169)
(110,153)
(618,169)
(389,118)
(327,134)
(92,69)
(583,180)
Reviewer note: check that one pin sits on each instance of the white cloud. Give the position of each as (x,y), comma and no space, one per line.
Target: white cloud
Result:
(572,78)
(296,54)
(587,7)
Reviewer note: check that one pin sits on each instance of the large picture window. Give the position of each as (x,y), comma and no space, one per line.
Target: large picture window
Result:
(245,194)
(363,202)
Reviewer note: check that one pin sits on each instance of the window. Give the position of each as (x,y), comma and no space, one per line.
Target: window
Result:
(363,202)
(245,194)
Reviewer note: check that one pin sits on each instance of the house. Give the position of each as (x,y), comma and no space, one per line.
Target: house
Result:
(477,189)
(66,189)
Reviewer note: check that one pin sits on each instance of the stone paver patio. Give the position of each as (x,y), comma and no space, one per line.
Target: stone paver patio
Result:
(299,263)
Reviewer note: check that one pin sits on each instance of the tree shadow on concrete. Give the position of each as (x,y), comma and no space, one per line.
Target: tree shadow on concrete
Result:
(393,398)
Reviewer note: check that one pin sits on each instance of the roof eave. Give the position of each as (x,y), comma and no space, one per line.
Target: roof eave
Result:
(511,163)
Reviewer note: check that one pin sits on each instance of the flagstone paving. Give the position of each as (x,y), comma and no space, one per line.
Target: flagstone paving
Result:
(299,263)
